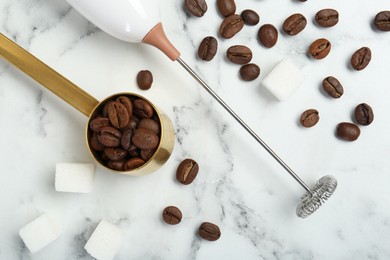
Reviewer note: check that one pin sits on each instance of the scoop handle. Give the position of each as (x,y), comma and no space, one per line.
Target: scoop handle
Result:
(46,76)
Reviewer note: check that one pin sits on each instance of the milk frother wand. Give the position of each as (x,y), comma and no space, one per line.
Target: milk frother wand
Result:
(139,21)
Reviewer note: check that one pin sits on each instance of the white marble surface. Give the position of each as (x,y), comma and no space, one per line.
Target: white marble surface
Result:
(239,187)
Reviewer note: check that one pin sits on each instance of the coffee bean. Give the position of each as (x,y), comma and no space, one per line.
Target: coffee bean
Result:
(327,17)
(239,54)
(116,165)
(320,48)
(126,139)
(361,58)
(294,24)
(95,144)
(226,7)
(109,136)
(209,231)
(115,154)
(172,215)
(347,131)
(127,103)
(382,21)
(133,151)
(333,87)
(249,72)
(133,163)
(250,17)
(118,115)
(268,35)
(309,118)
(149,124)
(196,7)
(187,171)
(146,154)
(230,26)
(364,114)
(208,48)
(142,109)
(98,123)
(144,79)
(145,139)
(105,108)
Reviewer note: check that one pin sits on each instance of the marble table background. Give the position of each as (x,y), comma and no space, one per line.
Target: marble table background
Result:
(239,186)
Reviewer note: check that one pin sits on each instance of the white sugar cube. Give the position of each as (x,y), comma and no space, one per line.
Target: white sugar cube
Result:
(283,79)
(105,241)
(74,177)
(40,232)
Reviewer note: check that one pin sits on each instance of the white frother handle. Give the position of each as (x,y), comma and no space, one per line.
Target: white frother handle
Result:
(127,20)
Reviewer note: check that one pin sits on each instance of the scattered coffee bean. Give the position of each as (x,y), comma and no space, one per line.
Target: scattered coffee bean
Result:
(382,21)
(364,114)
(320,48)
(209,231)
(250,17)
(294,24)
(145,139)
(333,87)
(109,136)
(361,58)
(249,72)
(172,215)
(144,79)
(309,118)
(268,35)
(230,26)
(327,17)
(196,7)
(187,171)
(208,48)
(239,54)
(347,131)
(98,123)
(142,109)
(133,163)
(118,115)
(226,7)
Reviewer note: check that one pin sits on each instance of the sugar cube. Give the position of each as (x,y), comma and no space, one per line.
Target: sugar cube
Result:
(105,241)
(40,232)
(283,79)
(74,177)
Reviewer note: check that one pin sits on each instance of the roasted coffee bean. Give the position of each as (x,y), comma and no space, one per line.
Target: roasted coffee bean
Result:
(150,124)
(294,24)
(250,17)
(95,144)
(133,151)
(333,87)
(127,103)
(382,21)
(98,123)
(118,115)
(208,48)
(364,114)
(145,139)
(361,58)
(103,157)
(226,7)
(230,26)
(320,48)
(116,165)
(146,154)
(347,131)
(105,108)
(309,118)
(196,7)
(239,54)
(187,171)
(109,136)
(133,163)
(115,154)
(249,72)
(302,0)
(126,139)
(327,17)
(142,109)
(172,215)
(209,231)
(144,79)
(268,35)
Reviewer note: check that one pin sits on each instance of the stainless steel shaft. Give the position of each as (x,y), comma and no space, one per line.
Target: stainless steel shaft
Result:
(243,124)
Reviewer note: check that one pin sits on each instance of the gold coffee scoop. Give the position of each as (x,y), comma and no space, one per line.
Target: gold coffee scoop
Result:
(85,103)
